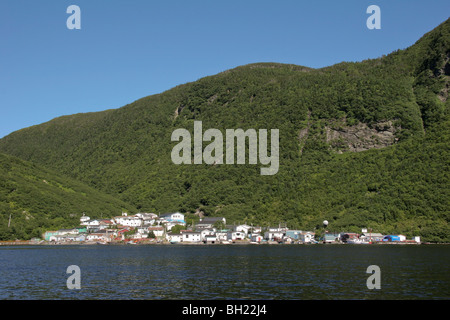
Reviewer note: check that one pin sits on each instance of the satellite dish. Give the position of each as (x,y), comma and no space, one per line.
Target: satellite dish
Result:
(325,223)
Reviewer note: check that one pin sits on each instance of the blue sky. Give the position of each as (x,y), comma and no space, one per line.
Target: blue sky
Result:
(129,49)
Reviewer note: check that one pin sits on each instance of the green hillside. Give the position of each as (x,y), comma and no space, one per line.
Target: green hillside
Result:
(38,200)
(361,144)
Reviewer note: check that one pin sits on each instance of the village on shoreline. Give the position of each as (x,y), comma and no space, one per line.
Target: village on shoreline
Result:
(171,228)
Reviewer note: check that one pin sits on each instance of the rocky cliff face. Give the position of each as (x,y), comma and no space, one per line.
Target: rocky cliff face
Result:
(361,137)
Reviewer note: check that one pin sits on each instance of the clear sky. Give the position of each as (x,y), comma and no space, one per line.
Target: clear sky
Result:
(129,49)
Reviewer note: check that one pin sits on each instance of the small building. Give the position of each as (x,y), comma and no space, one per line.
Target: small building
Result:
(157,231)
(331,237)
(222,235)
(169,225)
(278,229)
(84,219)
(191,236)
(92,224)
(293,234)
(128,221)
(68,231)
(346,236)
(174,237)
(105,224)
(394,238)
(142,230)
(210,238)
(274,235)
(256,237)
(80,238)
(207,233)
(81,229)
(236,235)
(96,237)
(171,217)
(48,234)
(138,236)
(307,236)
(147,218)
(209,222)
(244,228)
(372,236)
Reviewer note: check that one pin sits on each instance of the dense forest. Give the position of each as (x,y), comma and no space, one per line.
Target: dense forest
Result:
(398,185)
(34,200)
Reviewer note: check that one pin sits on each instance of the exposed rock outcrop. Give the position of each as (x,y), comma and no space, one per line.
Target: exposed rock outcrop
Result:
(361,137)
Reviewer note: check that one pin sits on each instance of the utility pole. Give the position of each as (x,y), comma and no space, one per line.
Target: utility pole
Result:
(9,222)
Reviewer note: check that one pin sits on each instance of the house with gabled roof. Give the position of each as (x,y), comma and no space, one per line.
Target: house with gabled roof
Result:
(209,222)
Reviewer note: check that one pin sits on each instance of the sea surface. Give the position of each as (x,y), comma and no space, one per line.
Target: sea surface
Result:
(200,272)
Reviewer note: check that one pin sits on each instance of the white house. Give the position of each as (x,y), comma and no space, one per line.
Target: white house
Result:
(222,235)
(157,231)
(279,229)
(142,230)
(210,238)
(147,218)
(306,236)
(206,232)
(174,237)
(96,236)
(236,235)
(273,235)
(128,221)
(144,215)
(92,224)
(372,236)
(191,236)
(138,235)
(169,225)
(244,228)
(65,237)
(84,219)
(67,231)
(171,217)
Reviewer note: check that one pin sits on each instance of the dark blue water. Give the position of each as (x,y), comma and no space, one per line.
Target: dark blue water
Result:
(225,272)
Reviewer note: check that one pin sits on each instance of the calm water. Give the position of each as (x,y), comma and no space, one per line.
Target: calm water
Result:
(225,272)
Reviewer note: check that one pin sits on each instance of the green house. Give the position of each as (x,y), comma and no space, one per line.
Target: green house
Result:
(82,229)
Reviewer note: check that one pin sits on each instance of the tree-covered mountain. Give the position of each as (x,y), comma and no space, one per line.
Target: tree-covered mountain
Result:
(33,200)
(361,144)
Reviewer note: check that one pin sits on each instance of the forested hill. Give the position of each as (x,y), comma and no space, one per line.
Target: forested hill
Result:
(361,144)
(34,200)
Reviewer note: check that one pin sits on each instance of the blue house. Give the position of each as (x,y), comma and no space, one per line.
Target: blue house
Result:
(391,238)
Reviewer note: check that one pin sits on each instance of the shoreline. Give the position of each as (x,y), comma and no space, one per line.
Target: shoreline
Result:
(238,243)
